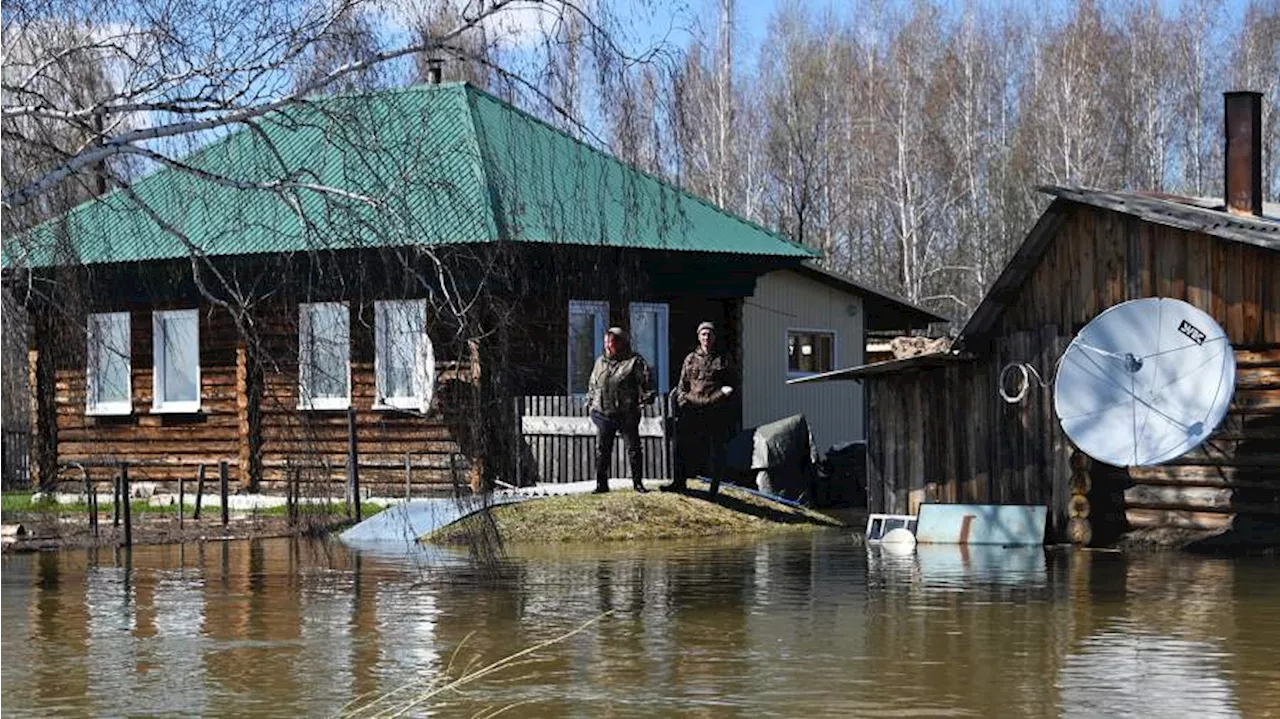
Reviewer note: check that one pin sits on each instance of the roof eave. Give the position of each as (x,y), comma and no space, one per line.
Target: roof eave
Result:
(918,362)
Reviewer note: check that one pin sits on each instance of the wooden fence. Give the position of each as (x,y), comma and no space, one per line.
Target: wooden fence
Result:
(558,441)
(16,454)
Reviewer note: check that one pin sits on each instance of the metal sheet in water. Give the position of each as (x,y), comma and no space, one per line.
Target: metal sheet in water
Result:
(1008,525)
(404,523)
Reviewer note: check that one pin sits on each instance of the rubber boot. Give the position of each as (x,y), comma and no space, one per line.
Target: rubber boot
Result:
(676,485)
(715,487)
(639,486)
(601,488)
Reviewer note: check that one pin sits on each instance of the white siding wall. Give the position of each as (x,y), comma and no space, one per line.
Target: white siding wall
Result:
(785,299)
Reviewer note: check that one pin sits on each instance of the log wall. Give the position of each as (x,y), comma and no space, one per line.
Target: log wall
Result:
(249,415)
(945,435)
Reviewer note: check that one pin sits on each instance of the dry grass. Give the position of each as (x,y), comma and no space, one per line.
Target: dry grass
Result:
(627,516)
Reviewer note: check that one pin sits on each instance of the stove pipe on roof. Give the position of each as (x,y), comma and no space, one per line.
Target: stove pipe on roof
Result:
(1243,166)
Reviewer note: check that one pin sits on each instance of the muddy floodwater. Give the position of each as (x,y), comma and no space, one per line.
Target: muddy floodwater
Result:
(796,626)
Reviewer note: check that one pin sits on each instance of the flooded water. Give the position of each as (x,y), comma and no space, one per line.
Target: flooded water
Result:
(807,626)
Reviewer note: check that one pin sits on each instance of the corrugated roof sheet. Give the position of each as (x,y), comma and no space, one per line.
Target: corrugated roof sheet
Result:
(446,164)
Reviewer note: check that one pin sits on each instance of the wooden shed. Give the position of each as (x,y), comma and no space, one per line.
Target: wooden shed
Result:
(939,430)
(460,265)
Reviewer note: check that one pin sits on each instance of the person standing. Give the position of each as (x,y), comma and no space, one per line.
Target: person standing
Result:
(707,381)
(620,387)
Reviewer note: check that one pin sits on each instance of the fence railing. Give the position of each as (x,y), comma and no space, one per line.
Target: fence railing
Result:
(558,441)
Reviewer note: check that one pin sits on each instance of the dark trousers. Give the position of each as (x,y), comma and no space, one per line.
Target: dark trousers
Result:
(704,435)
(606,429)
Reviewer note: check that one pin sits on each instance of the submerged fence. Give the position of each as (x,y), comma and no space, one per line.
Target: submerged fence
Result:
(558,441)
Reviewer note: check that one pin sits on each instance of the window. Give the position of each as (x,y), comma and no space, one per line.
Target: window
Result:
(587,323)
(108,384)
(176,352)
(650,338)
(404,359)
(324,354)
(810,351)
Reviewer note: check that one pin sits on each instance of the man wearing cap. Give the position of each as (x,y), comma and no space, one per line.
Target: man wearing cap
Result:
(707,380)
(620,386)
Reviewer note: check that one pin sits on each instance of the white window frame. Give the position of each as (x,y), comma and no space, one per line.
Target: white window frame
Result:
(305,401)
(662,367)
(117,407)
(600,311)
(835,349)
(424,368)
(158,404)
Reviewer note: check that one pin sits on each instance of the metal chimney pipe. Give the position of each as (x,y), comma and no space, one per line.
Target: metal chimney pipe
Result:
(1243,162)
(434,72)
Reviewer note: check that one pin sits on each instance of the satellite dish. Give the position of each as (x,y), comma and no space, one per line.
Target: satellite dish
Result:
(1145,382)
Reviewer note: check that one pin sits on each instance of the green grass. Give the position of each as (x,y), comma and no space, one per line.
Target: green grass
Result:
(628,516)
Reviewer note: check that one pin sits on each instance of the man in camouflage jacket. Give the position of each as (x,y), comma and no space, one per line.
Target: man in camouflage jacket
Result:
(707,380)
(620,387)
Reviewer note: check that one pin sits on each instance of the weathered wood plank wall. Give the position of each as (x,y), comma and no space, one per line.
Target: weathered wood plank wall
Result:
(945,435)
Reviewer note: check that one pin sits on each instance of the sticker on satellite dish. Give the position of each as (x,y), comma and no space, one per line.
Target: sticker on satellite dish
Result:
(1193,332)
(1130,391)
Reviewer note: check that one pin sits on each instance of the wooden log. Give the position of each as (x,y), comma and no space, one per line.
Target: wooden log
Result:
(1233,480)
(1212,499)
(1080,483)
(1079,531)
(1257,358)
(1202,475)
(1078,507)
(1258,377)
(1178,519)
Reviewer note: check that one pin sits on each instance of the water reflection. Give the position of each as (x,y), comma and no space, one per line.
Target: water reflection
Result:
(813,625)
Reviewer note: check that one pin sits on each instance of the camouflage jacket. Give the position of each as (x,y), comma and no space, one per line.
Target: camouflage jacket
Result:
(701,377)
(620,385)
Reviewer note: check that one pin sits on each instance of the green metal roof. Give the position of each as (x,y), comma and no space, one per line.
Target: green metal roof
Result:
(446,164)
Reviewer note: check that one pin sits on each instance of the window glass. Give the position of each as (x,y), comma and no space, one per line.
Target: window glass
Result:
(649,337)
(586,341)
(109,363)
(810,352)
(403,352)
(177,359)
(324,349)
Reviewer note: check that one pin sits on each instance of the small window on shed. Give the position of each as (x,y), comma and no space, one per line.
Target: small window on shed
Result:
(810,352)
(107,376)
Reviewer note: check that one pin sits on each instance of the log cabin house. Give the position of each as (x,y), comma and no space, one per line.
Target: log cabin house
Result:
(363,281)
(940,432)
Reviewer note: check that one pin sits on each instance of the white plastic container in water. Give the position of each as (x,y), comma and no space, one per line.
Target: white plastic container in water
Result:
(900,539)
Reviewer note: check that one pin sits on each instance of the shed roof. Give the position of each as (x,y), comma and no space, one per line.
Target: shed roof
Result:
(884,311)
(1184,213)
(441,164)
(1193,214)
(924,361)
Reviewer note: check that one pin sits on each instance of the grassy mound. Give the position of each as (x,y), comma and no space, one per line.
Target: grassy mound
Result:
(627,515)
